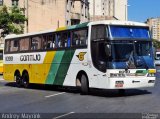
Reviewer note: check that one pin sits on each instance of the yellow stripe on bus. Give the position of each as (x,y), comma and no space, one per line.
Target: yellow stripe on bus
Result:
(42,70)
(61,28)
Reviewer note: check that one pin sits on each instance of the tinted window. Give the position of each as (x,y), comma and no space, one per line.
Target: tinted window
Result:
(63,40)
(36,43)
(48,41)
(14,45)
(79,37)
(24,44)
(98,32)
(7,45)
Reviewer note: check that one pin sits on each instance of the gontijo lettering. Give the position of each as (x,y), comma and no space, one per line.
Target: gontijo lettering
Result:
(36,57)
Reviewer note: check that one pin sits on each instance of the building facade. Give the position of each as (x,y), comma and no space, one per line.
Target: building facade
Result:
(51,14)
(108,9)
(154,24)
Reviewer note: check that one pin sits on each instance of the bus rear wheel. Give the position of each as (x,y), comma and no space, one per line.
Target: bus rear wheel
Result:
(84,85)
(18,80)
(25,80)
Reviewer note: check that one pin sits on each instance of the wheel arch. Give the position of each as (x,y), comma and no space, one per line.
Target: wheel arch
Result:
(17,72)
(80,73)
(25,71)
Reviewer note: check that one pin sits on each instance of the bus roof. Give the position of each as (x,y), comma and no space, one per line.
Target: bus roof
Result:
(118,22)
(82,25)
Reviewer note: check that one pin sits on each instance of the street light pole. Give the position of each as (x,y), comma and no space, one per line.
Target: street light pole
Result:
(126,12)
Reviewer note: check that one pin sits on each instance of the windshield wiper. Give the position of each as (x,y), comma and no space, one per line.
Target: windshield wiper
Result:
(130,63)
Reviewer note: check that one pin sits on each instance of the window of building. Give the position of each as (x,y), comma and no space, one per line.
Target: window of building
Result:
(15,2)
(1,2)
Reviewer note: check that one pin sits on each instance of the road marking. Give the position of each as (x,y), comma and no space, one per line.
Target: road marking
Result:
(63,115)
(54,95)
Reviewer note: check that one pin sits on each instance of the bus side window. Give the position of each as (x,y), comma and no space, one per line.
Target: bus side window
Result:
(80,37)
(51,41)
(64,39)
(69,40)
(24,44)
(58,40)
(44,42)
(83,37)
(75,39)
(14,46)
(48,41)
(7,46)
(36,43)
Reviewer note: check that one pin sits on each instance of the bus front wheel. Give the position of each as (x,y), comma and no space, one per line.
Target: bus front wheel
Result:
(25,80)
(84,85)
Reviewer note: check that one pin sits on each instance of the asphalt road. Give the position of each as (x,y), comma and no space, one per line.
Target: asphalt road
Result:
(65,103)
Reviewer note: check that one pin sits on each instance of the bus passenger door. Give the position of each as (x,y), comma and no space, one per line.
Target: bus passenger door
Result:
(98,53)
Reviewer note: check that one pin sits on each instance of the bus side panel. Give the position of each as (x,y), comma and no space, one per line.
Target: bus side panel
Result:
(1,66)
(8,72)
(63,68)
(59,67)
(52,72)
(41,71)
(79,63)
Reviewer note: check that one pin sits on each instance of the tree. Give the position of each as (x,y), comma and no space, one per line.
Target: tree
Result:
(156,44)
(11,20)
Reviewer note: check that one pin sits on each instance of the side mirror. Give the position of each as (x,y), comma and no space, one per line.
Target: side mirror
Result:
(102,66)
(108,50)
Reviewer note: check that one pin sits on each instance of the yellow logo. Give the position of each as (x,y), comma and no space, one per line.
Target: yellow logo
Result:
(81,56)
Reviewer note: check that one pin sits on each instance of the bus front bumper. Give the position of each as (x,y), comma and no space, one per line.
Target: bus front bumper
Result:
(131,83)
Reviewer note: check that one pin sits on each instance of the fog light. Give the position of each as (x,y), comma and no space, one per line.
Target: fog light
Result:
(151,81)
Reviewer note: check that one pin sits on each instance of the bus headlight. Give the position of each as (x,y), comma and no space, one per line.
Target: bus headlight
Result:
(152,71)
(117,75)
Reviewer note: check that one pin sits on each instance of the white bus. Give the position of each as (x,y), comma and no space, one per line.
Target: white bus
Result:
(102,54)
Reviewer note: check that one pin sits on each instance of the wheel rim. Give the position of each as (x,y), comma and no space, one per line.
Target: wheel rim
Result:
(25,80)
(18,80)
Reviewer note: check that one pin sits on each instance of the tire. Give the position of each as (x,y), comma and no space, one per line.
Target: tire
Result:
(25,80)
(18,80)
(84,85)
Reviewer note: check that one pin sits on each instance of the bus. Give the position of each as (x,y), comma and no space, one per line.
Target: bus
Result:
(1,58)
(103,54)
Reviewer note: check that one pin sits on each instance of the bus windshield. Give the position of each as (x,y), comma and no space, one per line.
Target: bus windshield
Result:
(137,53)
(122,51)
(129,32)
